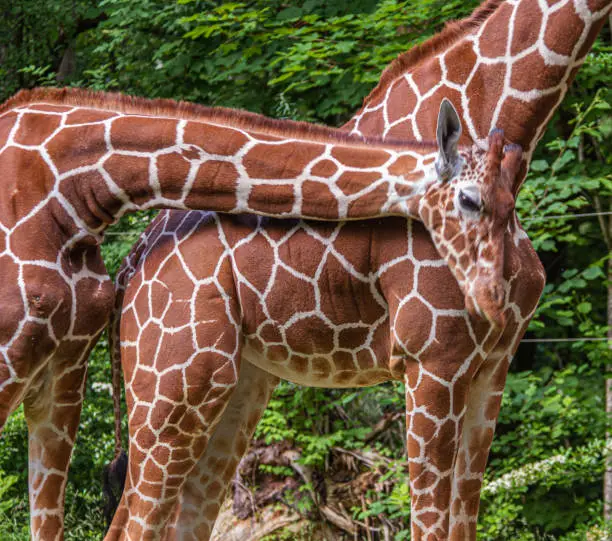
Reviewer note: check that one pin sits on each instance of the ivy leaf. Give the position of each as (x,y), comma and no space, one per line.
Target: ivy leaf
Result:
(593,272)
(292,12)
(574,142)
(602,106)
(565,158)
(539,165)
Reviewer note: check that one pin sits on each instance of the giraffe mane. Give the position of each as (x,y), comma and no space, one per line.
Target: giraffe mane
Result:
(451,33)
(115,101)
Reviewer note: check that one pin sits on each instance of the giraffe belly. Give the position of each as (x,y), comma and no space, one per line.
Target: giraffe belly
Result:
(339,370)
(311,304)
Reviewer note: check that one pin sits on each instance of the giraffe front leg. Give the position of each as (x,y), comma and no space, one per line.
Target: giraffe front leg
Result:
(52,410)
(205,489)
(435,407)
(483,405)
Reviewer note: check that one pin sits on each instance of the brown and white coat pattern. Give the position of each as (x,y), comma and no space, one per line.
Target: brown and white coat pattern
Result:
(511,70)
(330,305)
(52,381)
(509,65)
(73,162)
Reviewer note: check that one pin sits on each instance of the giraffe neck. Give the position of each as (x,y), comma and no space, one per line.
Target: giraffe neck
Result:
(508,65)
(101,164)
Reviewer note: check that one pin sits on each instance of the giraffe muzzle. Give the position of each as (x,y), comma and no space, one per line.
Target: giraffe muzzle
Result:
(488,303)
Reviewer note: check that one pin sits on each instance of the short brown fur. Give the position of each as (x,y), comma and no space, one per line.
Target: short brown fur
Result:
(451,33)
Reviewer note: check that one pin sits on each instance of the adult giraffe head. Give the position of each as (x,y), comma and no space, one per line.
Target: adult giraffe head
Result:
(469,210)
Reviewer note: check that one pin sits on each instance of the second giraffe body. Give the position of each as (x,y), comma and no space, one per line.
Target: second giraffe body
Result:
(509,64)
(331,305)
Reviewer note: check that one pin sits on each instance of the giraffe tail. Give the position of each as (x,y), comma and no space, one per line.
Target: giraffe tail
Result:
(115,473)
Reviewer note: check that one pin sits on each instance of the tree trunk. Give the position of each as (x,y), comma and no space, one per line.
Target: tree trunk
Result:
(608,474)
(269,520)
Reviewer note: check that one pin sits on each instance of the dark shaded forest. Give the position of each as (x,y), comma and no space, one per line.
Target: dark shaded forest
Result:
(332,451)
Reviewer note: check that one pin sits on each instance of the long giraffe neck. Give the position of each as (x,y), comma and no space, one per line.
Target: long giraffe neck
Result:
(508,65)
(100,164)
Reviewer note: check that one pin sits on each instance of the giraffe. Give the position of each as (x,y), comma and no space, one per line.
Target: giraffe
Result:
(75,161)
(508,65)
(182,356)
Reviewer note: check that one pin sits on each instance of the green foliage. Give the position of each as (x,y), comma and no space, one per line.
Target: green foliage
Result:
(543,494)
(322,57)
(14,480)
(315,420)
(316,60)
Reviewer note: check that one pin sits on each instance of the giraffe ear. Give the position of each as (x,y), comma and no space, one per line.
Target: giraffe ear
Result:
(448,133)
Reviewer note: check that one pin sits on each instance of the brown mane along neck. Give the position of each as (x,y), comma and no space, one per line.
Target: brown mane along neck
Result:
(452,32)
(114,101)
(166,154)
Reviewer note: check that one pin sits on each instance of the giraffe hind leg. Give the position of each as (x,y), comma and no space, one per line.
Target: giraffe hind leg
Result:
(167,438)
(203,494)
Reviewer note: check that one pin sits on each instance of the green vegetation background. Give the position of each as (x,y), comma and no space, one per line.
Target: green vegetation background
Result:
(315,60)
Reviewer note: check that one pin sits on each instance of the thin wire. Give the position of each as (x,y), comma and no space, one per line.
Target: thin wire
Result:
(566,216)
(584,339)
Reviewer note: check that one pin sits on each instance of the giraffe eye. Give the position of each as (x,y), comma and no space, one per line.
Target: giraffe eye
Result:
(469,202)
